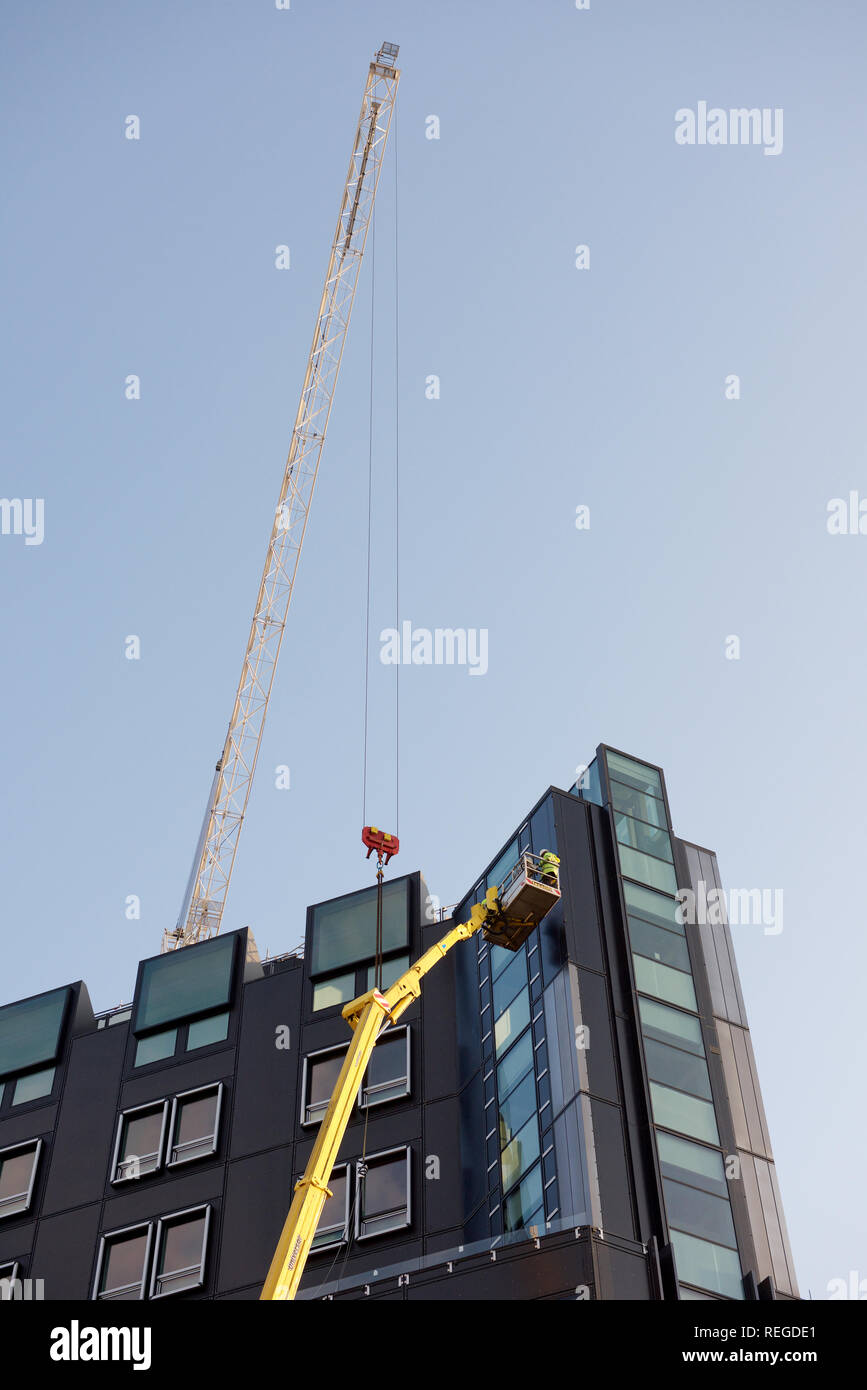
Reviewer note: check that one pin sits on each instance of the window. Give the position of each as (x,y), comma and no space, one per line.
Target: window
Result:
(517,1108)
(670,1026)
(644,902)
(343,932)
(195,1121)
(710,1266)
(515,1066)
(340,989)
(333,1228)
(180,983)
(525,1203)
(691,1163)
(18,1166)
(512,1021)
(646,869)
(384,1193)
(180,1252)
(123,1260)
(674,1110)
(699,1213)
(660,980)
(665,946)
(9,1273)
(506,861)
(321,1070)
(156,1047)
(207,1030)
(391,971)
(639,804)
(33,1086)
(636,775)
(650,839)
(675,1068)
(139,1143)
(30,1031)
(387,1075)
(520,1153)
(508,983)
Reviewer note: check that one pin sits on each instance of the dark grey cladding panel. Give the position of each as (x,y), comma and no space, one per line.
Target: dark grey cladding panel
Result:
(697,870)
(165,1196)
(441,1168)
(622,1274)
(593,1008)
(440,1060)
(170,1081)
(65,1254)
(578,883)
(781,1259)
(562,1052)
(572,1166)
(265,1104)
(251,1229)
(612,1167)
(15,1240)
(80,1152)
(392,1127)
(792,1285)
(33,1124)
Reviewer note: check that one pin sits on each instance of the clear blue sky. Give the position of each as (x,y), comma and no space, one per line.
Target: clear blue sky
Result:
(559,387)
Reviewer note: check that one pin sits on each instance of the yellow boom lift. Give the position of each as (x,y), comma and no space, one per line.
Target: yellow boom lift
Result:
(506,916)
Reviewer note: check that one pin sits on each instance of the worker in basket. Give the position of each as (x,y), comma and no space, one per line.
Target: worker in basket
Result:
(549,868)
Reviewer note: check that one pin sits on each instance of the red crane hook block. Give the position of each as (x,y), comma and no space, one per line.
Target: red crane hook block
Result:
(380,842)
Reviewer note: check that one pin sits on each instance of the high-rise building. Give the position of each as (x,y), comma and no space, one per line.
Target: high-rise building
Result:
(578,1119)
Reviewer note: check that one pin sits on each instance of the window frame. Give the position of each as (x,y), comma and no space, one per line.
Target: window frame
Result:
(306,1073)
(367,1104)
(344,1229)
(369,1161)
(165,1223)
(12,1150)
(107,1239)
(170,1161)
(152,1105)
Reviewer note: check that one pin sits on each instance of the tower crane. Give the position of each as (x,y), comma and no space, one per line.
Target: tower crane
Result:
(208,884)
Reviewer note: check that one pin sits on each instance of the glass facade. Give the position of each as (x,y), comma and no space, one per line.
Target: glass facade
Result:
(186,982)
(687,1138)
(343,932)
(30,1031)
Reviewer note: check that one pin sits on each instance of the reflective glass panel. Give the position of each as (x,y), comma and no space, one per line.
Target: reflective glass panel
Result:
(386,1077)
(670,1026)
(185,982)
(505,862)
(34,1086)
(391,971)
(663,982)
(322,1074)
(647,870)
(524,1201)
(343,932)
(691,1163)
(507,984)
(384,1194)
(635,803)
(647,838)
(514,1066)
(643,902)
(16,1171)
(517,1108)
(207,1030)
(634,774)
(157,1046)
(699,1213)
(676,1068)
(340,989)
(710,1266)
(520,1153)
(684,1113)
(332,1223)
(30,1031)
(665,946)
(512,1021)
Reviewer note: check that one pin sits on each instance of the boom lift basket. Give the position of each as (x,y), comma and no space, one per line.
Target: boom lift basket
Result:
(526,895)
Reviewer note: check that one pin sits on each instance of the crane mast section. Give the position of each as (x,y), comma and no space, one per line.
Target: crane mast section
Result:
(202,911)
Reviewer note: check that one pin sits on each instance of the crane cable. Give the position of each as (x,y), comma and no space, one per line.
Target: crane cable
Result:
(378,954)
